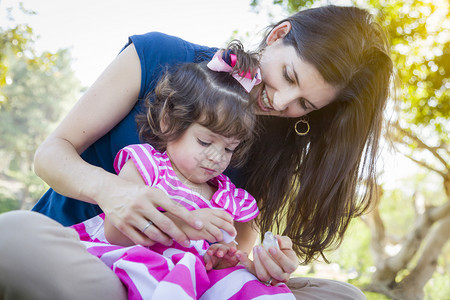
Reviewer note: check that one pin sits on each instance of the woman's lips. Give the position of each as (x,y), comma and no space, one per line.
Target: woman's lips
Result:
(264,102)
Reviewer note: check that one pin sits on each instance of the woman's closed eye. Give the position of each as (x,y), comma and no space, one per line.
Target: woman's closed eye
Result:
(303,104)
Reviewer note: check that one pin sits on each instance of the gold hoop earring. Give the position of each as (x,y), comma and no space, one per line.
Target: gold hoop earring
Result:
(307,127)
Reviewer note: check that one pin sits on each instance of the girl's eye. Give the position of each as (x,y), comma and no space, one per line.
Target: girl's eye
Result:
(303,104)
(202,143)
(286,76)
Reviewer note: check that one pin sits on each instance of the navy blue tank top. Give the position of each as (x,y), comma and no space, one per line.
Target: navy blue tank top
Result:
(157,52)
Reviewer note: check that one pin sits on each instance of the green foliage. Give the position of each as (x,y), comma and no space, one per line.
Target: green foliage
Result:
(37,94)
(352,255)
(7,203)
(375,296)
(35,90)
(437,287)
(397,212)
(17,41)
(421,52)
(290,5)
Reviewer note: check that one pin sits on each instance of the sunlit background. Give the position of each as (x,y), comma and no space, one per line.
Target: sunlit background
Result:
(95,30)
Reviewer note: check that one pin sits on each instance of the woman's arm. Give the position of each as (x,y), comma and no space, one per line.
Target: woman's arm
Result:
(105,103)
(58,162)
(113,235)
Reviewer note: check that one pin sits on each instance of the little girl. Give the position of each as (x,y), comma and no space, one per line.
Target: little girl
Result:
(198,121)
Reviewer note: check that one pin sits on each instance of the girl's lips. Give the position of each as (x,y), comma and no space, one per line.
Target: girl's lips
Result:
(208,170)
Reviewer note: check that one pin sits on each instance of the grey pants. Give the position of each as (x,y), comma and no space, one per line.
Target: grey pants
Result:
(41,259)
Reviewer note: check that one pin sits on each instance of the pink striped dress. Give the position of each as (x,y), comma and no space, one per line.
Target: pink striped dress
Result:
(177,272)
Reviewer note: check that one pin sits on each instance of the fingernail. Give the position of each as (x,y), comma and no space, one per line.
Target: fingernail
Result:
(186,243)
(198,224)
(273,251)
(258,249)
(238,256)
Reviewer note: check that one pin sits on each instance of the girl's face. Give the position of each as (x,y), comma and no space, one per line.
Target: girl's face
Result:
(291,87)
(200,154)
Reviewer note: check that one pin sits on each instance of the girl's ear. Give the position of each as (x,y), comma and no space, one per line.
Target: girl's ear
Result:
(278,32)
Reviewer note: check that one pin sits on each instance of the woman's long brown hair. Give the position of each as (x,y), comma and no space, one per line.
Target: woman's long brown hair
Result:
(310,187)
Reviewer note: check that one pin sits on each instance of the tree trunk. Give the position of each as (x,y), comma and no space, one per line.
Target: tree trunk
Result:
(383,279)
(411,287)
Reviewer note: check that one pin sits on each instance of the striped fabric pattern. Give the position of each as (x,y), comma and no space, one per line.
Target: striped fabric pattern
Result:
(177,272)
(156,170)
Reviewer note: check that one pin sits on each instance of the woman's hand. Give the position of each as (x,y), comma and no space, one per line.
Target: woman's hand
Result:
(131,212)
(278,266)
(129,205)
(213,219)
(221,256)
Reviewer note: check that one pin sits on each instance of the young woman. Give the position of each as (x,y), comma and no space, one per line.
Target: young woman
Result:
(329,63)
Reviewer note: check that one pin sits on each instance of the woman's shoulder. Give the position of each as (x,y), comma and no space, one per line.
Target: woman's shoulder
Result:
(157,38)
(168,45)
(158,51)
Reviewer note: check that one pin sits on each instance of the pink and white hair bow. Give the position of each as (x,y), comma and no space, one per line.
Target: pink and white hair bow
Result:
(218,64)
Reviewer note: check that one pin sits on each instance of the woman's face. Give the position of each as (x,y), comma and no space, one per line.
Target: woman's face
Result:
(291,87)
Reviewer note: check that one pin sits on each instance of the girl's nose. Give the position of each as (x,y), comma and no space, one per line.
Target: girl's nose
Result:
(214,155)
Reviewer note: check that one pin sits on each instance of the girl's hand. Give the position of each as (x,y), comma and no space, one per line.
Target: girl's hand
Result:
(213,219)
(278,266)
(220,256)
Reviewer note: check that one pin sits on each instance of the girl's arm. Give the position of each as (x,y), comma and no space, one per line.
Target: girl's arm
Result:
(58,162)
(246,236)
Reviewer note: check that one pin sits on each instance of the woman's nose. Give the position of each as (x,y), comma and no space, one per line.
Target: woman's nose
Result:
(281,102)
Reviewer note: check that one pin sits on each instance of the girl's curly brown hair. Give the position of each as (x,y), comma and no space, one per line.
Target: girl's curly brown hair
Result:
(195,94)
